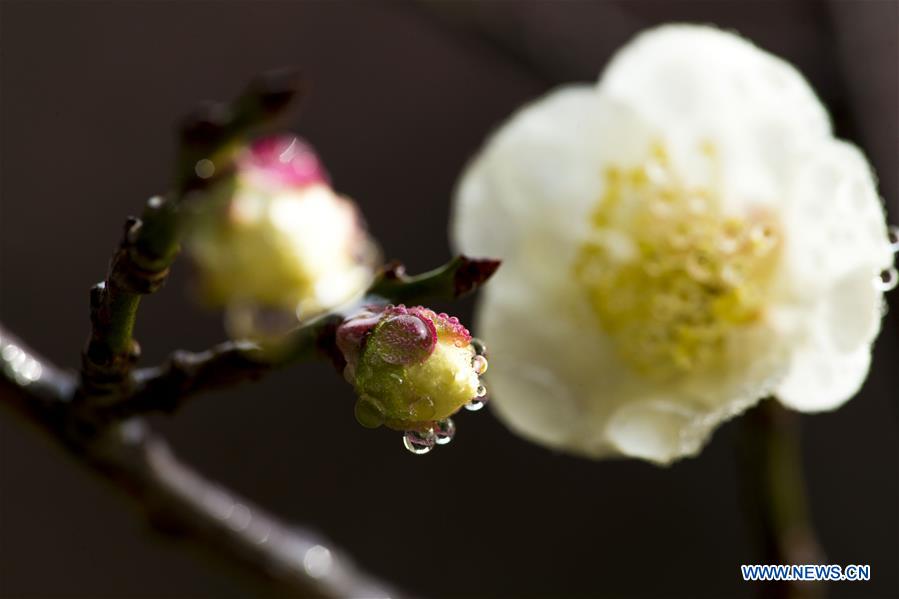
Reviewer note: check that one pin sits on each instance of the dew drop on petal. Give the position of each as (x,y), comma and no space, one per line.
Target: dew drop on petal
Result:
(474,405)
(419,442)
(479,364)
(479,347)
(893,237)
(444,431)
(887,280)
(482,390)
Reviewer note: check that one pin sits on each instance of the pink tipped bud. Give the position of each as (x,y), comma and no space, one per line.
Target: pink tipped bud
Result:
(276,243)
(411,367)
(283,159)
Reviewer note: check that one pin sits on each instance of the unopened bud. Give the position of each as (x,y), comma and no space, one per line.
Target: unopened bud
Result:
(277,240)
(412,369)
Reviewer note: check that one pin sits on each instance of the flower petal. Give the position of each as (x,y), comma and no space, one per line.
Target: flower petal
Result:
(699,86)
(838,244)
(544,367)
(533,170)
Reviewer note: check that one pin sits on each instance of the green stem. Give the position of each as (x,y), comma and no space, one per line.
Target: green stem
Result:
(456,278)
(776,500)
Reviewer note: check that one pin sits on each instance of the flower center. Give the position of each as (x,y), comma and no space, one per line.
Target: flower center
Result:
(668,274)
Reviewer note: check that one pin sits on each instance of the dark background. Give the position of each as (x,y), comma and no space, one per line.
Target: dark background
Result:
(402,95)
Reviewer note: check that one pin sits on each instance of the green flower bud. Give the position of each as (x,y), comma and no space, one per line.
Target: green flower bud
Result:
(412,369)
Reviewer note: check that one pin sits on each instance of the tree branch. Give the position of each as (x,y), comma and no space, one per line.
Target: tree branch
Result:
(186,374)
(283,558)
(140,264)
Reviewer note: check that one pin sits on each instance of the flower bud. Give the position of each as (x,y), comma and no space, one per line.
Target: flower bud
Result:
(276,239)
(412,369)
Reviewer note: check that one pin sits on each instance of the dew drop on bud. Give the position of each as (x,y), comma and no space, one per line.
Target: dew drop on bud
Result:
(423,409)
(479,347)
(479,364)
(368,414)
(405,339)
(444,431)
(482,391)
(419,442)
(887,280)
(474,405)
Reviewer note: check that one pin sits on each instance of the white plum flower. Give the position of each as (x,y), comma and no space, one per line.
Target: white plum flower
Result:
(679,241)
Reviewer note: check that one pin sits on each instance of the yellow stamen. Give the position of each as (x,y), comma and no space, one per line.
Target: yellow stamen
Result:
(668,274)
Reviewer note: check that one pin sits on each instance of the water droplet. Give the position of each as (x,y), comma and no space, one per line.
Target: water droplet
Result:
(474,405)
(422,410)
(479,363)
(204,168)
(419,442)
(887,280)
(368,413)
(893,237)
(482,390)
(404,339)
(318,561)
(479,347)
(444,431)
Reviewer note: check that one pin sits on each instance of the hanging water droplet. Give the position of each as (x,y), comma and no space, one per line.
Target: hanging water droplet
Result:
(474,405)
(482,390)
(368,413)
(887,280)
(419,442)
(479,363)
(479,347)
(444,431)
(893,237)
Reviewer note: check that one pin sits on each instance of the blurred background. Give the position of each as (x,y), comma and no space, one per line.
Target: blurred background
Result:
(401,95)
